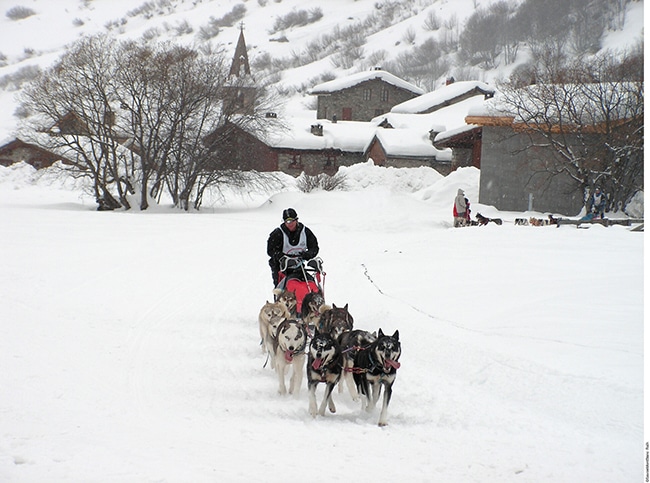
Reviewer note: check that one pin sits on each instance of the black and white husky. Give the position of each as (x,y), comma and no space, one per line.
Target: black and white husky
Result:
(351,343)
(375,367)
(324,364)
(289,350)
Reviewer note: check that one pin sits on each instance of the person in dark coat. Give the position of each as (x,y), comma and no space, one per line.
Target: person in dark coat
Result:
(598,203)
(291,238)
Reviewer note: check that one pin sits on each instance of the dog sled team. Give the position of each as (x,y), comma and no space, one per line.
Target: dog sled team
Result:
(302,335)
(461,212)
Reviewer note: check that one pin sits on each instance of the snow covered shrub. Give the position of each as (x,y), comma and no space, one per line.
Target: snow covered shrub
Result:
(308,183)
(19,13)
(635,207)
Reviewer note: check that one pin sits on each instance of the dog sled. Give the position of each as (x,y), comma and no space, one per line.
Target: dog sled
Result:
(301,277)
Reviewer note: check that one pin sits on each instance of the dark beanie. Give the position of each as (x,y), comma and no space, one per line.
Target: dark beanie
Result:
(289,213)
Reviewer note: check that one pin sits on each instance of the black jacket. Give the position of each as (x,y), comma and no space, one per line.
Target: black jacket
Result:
(275,244)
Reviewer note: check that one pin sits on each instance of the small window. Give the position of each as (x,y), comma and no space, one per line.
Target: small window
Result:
(367,94)
(384,95)
(296,162)
(330,158)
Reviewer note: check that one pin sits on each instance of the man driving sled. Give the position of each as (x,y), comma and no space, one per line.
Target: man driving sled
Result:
(291,238)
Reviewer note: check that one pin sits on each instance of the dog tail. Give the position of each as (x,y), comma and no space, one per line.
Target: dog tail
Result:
(324,308)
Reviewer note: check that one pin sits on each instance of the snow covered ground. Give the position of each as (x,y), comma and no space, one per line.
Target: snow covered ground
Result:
(129,347)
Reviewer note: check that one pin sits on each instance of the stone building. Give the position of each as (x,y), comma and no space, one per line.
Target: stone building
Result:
(362,96)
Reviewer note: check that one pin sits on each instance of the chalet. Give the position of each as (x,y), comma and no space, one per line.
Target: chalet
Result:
(71,123)
(407,148)
(448,95)
(241,150)
(17,151)
(410,128)
(518,167)
(362,96)
(465,144)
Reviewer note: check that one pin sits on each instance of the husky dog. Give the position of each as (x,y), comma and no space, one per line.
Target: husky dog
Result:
(289,349)
(288,299)
(484,220)
(324,364)
(378,366)
(336,320)
(310,310)
(351,343)
(271,315)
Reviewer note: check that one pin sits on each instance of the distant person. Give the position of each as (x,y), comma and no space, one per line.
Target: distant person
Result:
(291,238)
(461,209)
(598,203)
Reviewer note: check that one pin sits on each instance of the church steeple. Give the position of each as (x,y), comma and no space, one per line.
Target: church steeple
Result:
(239,66)
(240,91)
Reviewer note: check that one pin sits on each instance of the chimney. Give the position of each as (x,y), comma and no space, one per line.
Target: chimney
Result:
(317,129)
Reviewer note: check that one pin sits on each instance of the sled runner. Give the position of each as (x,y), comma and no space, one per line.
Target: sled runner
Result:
(301,277)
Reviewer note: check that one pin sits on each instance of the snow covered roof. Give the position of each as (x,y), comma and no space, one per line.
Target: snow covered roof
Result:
(409,143)
(450,117)
(349,136)
(409,135)
(443,97)
(443,136)
(355,79)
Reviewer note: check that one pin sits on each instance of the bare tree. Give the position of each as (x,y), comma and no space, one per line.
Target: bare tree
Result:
(72,102)
(170,98)
(143,115)
(590,116)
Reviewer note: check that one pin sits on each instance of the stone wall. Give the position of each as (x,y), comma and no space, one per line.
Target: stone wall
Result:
(295,162)
(514,178)
(365,101)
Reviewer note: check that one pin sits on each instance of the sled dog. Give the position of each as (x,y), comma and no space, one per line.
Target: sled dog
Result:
(270,316)
(351,343)
(336,320)
(289,350)
(310,310)
(288,299)
(484,220)
(375,367)
(324,364)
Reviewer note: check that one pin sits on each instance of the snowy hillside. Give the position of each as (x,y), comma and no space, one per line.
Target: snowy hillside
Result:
(39,39)
(129,344)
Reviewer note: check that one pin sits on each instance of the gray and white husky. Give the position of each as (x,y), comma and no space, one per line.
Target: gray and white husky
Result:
(289,350)
(271,315)
(324,364)
(375,367)
(310,311)
(288,299)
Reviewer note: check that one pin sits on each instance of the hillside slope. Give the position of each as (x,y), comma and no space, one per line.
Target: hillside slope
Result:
(311,40)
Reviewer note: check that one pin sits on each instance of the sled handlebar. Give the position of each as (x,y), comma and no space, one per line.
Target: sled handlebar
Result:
(295,262)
